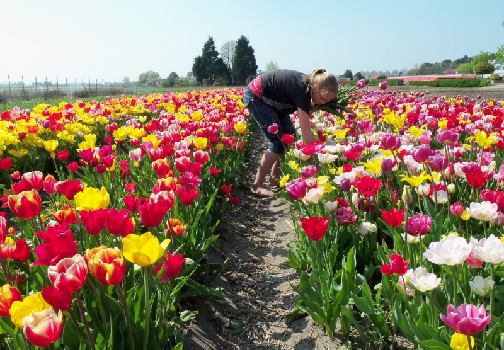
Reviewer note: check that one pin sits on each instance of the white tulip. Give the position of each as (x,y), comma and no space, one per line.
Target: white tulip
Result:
(482,286)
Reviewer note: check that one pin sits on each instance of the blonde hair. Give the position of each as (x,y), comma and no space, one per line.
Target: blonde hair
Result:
(325,81)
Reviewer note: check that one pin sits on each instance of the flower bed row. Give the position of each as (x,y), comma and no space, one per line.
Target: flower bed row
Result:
(111,207)
(399,219)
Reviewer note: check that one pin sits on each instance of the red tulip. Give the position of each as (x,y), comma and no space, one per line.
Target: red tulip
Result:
(477,178)
(315,227)
(50,185)
(21,251)
(367,186)
(225,189)
(172,266)
(6,163)
(119,223)
(60,244)
(25,205)
(393,217)
(57,298)
(69,188)
(63,155)
(186,196)
(175,227)
(214,171)
(93,220)
(43,328)
(3,229)
(68,274)
(73,167)
(161,167)
(398,266)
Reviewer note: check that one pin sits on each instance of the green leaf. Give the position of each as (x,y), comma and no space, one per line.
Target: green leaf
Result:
(70,338)
(432,344)
(187,315)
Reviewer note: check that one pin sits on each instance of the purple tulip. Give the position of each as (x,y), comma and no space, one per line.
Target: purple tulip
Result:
(308,171)
(421,153)
(296,189)
(438,162)
(390,141)
(466,319)
(419,224)
(447,137)
(387,165)
(345,184)
(361,83)
(383,85)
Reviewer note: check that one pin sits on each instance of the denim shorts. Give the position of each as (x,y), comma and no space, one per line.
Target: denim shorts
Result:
(265,116)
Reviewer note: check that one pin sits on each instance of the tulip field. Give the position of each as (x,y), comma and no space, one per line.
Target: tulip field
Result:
(110,206)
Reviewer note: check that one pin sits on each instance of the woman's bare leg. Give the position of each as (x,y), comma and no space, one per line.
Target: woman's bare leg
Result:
(267,162)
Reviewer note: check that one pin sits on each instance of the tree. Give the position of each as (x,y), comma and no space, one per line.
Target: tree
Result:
(483,68)
(244,62)
(483,57)
(209,66)
(172,78)
(499,55)
(358,76)
(271,66)
(126,82)
(348,74)
(465,68)
(227,52)
(149,77)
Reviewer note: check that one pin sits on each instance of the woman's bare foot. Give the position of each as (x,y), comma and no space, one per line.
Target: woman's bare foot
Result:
(273,182)
(261,192)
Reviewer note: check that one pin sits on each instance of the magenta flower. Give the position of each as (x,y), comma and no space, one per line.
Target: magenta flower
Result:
(438,162)
(390,141)
(308,171)
(361,83)
(419,224)
(273,128)
(457,209)
(466,319)
(296,189)
(383,85)
(421,153)
(447,137)
(387,165)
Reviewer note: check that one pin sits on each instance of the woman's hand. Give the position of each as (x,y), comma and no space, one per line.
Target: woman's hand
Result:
(304,122)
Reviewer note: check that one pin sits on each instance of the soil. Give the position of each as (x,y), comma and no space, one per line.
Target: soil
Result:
(256,281)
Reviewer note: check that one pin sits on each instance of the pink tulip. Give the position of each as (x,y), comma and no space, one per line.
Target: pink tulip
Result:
(438,162)
(457,209)
(296,189)
(421,153)
(308,171)
(390,141)
(419,224)
(474,262)
(361,83)
(383,85)
(273,129)
(447,137)
(466,319)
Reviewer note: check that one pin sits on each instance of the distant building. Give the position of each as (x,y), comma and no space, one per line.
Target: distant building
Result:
(377,76)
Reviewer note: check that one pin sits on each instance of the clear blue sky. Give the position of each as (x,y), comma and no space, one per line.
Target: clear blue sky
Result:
(112,39)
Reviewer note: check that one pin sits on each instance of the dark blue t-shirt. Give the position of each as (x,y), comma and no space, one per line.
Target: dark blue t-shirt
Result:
(285,90)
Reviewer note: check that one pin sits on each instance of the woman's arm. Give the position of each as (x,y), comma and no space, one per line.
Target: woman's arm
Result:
(304,122)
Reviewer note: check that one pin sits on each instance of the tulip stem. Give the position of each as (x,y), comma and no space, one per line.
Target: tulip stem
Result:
(469,342)
(84,319)
(405,247)
(455,278)
(492,299)
(5,271)
(74,320)
(147,306)
(127,315)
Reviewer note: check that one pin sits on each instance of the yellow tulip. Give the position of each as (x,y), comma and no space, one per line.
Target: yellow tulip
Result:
(459,342)
(50,145)
(30,304)
(92,199)
(201,143)
(143,250)
(240,127)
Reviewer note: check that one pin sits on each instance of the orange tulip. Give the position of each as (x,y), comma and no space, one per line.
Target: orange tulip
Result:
(8,295)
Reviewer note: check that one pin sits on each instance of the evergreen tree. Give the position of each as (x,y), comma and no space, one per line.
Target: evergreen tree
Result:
(244,62)
(209,66)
